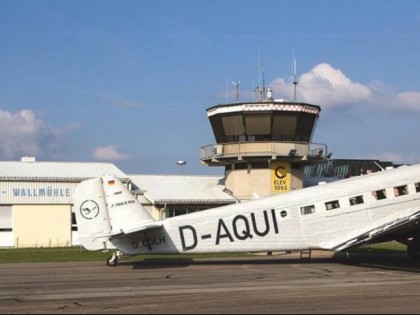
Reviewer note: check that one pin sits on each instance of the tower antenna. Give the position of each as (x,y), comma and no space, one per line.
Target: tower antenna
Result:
(237,89)
(227,90)
(295,80)
(264,95)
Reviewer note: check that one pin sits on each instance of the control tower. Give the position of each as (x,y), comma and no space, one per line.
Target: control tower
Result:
(263,145)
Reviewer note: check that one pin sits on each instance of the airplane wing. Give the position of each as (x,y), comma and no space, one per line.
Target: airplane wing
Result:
(397,226)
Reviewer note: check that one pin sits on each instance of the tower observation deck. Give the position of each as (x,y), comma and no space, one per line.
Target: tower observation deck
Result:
(263,145)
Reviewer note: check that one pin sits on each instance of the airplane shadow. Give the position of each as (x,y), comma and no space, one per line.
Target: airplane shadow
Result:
(164,262)
(386,261)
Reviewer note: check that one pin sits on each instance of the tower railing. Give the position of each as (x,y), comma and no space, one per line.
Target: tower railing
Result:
(302,150)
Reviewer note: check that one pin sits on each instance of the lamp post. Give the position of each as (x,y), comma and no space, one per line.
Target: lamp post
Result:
(181,163)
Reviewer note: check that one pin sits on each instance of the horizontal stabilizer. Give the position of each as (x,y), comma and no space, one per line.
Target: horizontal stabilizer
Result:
(136,229)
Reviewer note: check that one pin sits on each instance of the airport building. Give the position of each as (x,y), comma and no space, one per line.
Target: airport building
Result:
(263,146)
(36,200)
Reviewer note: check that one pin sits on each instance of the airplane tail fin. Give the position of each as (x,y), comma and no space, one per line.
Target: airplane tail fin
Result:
(104,207)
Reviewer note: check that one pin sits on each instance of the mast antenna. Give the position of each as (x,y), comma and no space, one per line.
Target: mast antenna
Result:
(264,95)
(261,79)
(295,80)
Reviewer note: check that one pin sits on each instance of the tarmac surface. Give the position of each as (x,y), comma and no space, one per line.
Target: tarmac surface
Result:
(361,284)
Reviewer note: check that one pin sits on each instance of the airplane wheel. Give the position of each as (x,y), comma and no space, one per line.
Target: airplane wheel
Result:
(413,252)
(112,261)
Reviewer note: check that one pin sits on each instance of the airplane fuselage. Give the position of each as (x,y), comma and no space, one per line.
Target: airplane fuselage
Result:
(331,216)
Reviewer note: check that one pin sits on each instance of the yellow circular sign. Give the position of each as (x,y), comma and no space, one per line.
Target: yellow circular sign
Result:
(280,172)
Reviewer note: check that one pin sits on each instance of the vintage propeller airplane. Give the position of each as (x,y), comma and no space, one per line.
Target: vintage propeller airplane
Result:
(371,208)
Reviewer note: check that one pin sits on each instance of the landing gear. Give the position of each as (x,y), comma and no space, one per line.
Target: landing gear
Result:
(113,260)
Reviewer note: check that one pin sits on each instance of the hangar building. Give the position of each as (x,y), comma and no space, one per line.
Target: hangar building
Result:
(36,200)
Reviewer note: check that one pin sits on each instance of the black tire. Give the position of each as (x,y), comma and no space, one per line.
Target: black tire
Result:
(413,252)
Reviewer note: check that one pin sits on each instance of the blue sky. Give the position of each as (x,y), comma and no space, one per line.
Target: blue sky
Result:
(129,82)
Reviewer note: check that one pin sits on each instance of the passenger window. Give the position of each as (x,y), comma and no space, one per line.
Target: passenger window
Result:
(379,194)
(307,210)
(417,187)
(332,205)
(357,200)
(400,191)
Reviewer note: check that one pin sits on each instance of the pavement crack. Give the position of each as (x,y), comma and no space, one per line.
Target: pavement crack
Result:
(63,307)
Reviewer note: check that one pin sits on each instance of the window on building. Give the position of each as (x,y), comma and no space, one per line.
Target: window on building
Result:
(233,125)
(307,210)
(331,205)
(173,212)
(176,212)
(379,194)
(417,187)
(356,200)
(400,191)
(258,124)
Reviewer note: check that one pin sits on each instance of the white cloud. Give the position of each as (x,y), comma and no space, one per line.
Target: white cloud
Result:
(23,134)
(329,87)
(109,153)
(385,97)
(326,86)
(408,100)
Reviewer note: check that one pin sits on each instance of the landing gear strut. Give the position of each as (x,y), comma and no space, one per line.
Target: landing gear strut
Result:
(113,260)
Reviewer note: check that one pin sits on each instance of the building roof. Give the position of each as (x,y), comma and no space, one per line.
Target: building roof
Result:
(274,105)
(56,171)
(182,189)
